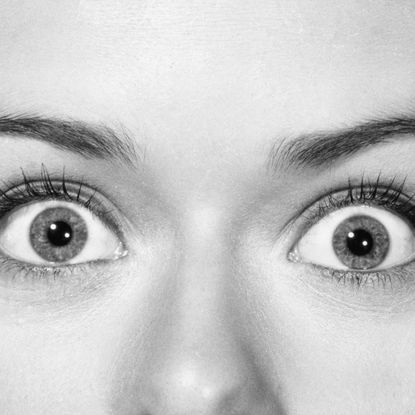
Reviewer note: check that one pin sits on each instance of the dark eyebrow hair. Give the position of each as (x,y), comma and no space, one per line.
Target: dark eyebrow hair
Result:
(87,140)
(323,148)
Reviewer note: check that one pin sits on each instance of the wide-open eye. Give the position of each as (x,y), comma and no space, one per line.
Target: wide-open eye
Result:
(358,238)
(56,233)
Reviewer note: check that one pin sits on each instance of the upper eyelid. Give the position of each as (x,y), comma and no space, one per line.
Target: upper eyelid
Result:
(363,184)
(100,204)
(331,204)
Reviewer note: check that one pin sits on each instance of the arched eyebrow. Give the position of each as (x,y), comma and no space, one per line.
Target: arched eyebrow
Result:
(84,139)
(323,148)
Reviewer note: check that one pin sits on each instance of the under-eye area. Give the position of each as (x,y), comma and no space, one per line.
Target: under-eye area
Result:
(360,235)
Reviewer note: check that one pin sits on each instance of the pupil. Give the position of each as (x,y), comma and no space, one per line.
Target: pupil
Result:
(359,242)
(59,233)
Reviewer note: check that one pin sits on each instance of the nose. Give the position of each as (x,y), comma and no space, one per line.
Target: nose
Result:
(204,374)
(199,363)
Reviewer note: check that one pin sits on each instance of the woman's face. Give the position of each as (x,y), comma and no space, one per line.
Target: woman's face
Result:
(206,207)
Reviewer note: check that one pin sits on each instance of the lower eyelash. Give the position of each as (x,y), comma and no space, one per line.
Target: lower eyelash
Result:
(26,272)
(52,285)
(376,279)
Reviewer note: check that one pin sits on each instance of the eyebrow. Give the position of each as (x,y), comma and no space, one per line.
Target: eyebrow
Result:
(323,148)
(88,140)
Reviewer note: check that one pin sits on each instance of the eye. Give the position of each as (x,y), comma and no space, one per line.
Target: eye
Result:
(357,238)
(56,233)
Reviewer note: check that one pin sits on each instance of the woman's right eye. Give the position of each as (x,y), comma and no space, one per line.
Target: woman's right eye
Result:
(56,233)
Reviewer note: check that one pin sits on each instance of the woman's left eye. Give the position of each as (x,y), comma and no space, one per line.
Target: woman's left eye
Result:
(52,233)
(357,238)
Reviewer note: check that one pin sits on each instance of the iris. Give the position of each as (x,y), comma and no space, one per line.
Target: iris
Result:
(58,234)
(361,242)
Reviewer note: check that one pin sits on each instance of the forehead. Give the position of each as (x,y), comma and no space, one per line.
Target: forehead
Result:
(288,48)
(209,72)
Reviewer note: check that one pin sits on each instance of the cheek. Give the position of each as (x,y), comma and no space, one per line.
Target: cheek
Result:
(47,369)
(66,357)
(315,353)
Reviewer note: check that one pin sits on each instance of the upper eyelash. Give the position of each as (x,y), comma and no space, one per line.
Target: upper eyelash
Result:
(28,189)
(390,195)
(44,186)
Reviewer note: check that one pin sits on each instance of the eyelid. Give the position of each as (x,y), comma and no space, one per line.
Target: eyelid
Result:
(102,242)
(34,190)
(37,283)
(309,247)
(389,195)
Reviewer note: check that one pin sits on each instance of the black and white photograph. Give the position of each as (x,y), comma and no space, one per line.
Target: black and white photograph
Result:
(207,207)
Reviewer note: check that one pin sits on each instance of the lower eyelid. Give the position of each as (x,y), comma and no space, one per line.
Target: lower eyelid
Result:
(55,282)
(396,278)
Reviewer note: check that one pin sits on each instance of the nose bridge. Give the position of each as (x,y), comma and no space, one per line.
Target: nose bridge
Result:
(198,366)
(203,267)
(196,314)
(197,327)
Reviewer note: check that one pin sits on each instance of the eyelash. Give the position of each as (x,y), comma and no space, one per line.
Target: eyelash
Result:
(31,189)
(16,195)
(388,195)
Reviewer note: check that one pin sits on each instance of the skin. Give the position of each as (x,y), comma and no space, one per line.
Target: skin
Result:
(206,314)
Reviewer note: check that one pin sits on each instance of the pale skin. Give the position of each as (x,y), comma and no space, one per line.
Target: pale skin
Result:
(206,314)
